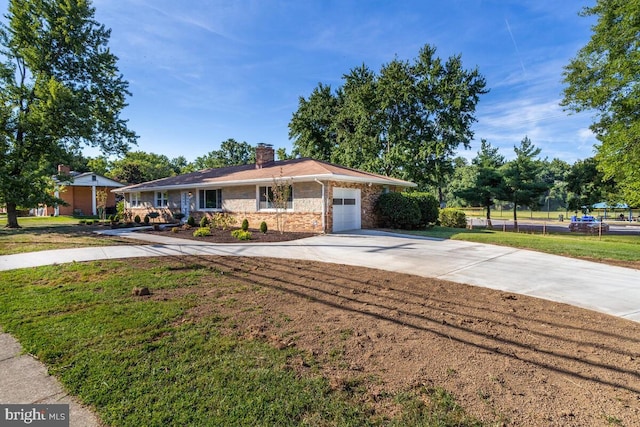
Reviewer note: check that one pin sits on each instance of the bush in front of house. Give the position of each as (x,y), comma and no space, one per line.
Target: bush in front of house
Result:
(397,210)
(453,218)
(191,221)
(202,232)
(137,219)
(222,221)
(178,216)
(245,224)
(241,234)
(175,230)
(429,207)
(204,222)
(263,227)
(147,219)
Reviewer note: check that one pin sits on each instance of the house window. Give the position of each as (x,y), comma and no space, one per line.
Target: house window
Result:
(162,199)
(134,200)
(267,198)
(209,199)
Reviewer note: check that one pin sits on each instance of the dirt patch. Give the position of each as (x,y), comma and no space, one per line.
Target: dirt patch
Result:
(224,236)
(507,359)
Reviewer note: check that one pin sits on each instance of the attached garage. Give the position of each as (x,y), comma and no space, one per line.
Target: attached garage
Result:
(346,209)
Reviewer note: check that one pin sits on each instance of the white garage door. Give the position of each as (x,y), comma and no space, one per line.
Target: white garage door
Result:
(346,209)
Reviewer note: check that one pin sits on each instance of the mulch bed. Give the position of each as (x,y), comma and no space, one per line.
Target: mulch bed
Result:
(224,236)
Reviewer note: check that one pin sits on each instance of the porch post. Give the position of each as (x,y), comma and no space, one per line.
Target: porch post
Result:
(94,210)
(56,208)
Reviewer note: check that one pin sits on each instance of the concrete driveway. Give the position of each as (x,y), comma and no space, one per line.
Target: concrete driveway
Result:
(599,287)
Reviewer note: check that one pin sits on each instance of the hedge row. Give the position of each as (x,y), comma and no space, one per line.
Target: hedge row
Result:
(406,210)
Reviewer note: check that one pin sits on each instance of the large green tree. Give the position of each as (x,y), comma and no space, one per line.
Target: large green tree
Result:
(554,174)
(488,184)
(604,77)
(312,125)
(523,185)
(587,185)
(231,153)
(60,89)
(139,166)
(407,121)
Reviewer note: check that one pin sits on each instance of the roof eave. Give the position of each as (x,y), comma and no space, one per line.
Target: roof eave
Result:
(304,178)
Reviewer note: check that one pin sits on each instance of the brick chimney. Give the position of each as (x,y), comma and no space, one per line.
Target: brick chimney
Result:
(265,154)
(63,170)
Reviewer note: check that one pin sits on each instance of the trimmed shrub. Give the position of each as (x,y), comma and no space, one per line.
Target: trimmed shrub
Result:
(397,210)
(202,232)
(191,221)
(429,207)
(245,224)
(241,234)
(146,219)
(454,218)
(178,216)
(175,229)
(137,219)
(263,227)
(204,222)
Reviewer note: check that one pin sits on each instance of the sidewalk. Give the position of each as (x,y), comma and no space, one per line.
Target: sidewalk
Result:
(25,380)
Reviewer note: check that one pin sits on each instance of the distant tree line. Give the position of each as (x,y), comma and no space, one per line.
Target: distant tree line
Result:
(528,181)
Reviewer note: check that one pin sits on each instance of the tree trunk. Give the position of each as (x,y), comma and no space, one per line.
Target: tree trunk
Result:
(489,225)
(12,216)
(515,217)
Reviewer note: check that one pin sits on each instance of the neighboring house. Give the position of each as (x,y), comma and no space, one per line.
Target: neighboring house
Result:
(82,194)
(324,197)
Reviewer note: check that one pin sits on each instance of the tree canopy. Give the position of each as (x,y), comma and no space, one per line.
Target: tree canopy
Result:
(138,166)
(406,121)
(231,153)
(604,77)
(60,89)
(523,185)
(488,184)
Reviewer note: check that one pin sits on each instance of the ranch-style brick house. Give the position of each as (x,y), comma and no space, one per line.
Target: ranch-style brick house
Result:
(324,197)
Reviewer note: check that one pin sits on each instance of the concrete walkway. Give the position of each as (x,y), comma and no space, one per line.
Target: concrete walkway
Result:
(24,380)
(599,287)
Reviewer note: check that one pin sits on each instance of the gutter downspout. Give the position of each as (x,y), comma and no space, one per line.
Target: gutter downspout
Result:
(324,206)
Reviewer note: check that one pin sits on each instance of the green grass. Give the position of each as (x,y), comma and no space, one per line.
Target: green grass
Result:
(607,247)
(42,221)
(45,233)
(147,361)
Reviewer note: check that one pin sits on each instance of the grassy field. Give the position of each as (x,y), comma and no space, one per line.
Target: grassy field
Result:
(606,248)
(44,233)
(41,221)
(543,215)
(146,361)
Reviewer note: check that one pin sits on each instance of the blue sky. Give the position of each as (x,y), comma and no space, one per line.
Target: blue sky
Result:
(203,71)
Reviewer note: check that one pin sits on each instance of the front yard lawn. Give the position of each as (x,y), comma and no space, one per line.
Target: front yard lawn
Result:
(173,358)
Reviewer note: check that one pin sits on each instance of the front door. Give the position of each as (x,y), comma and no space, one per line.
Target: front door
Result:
(185,204)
